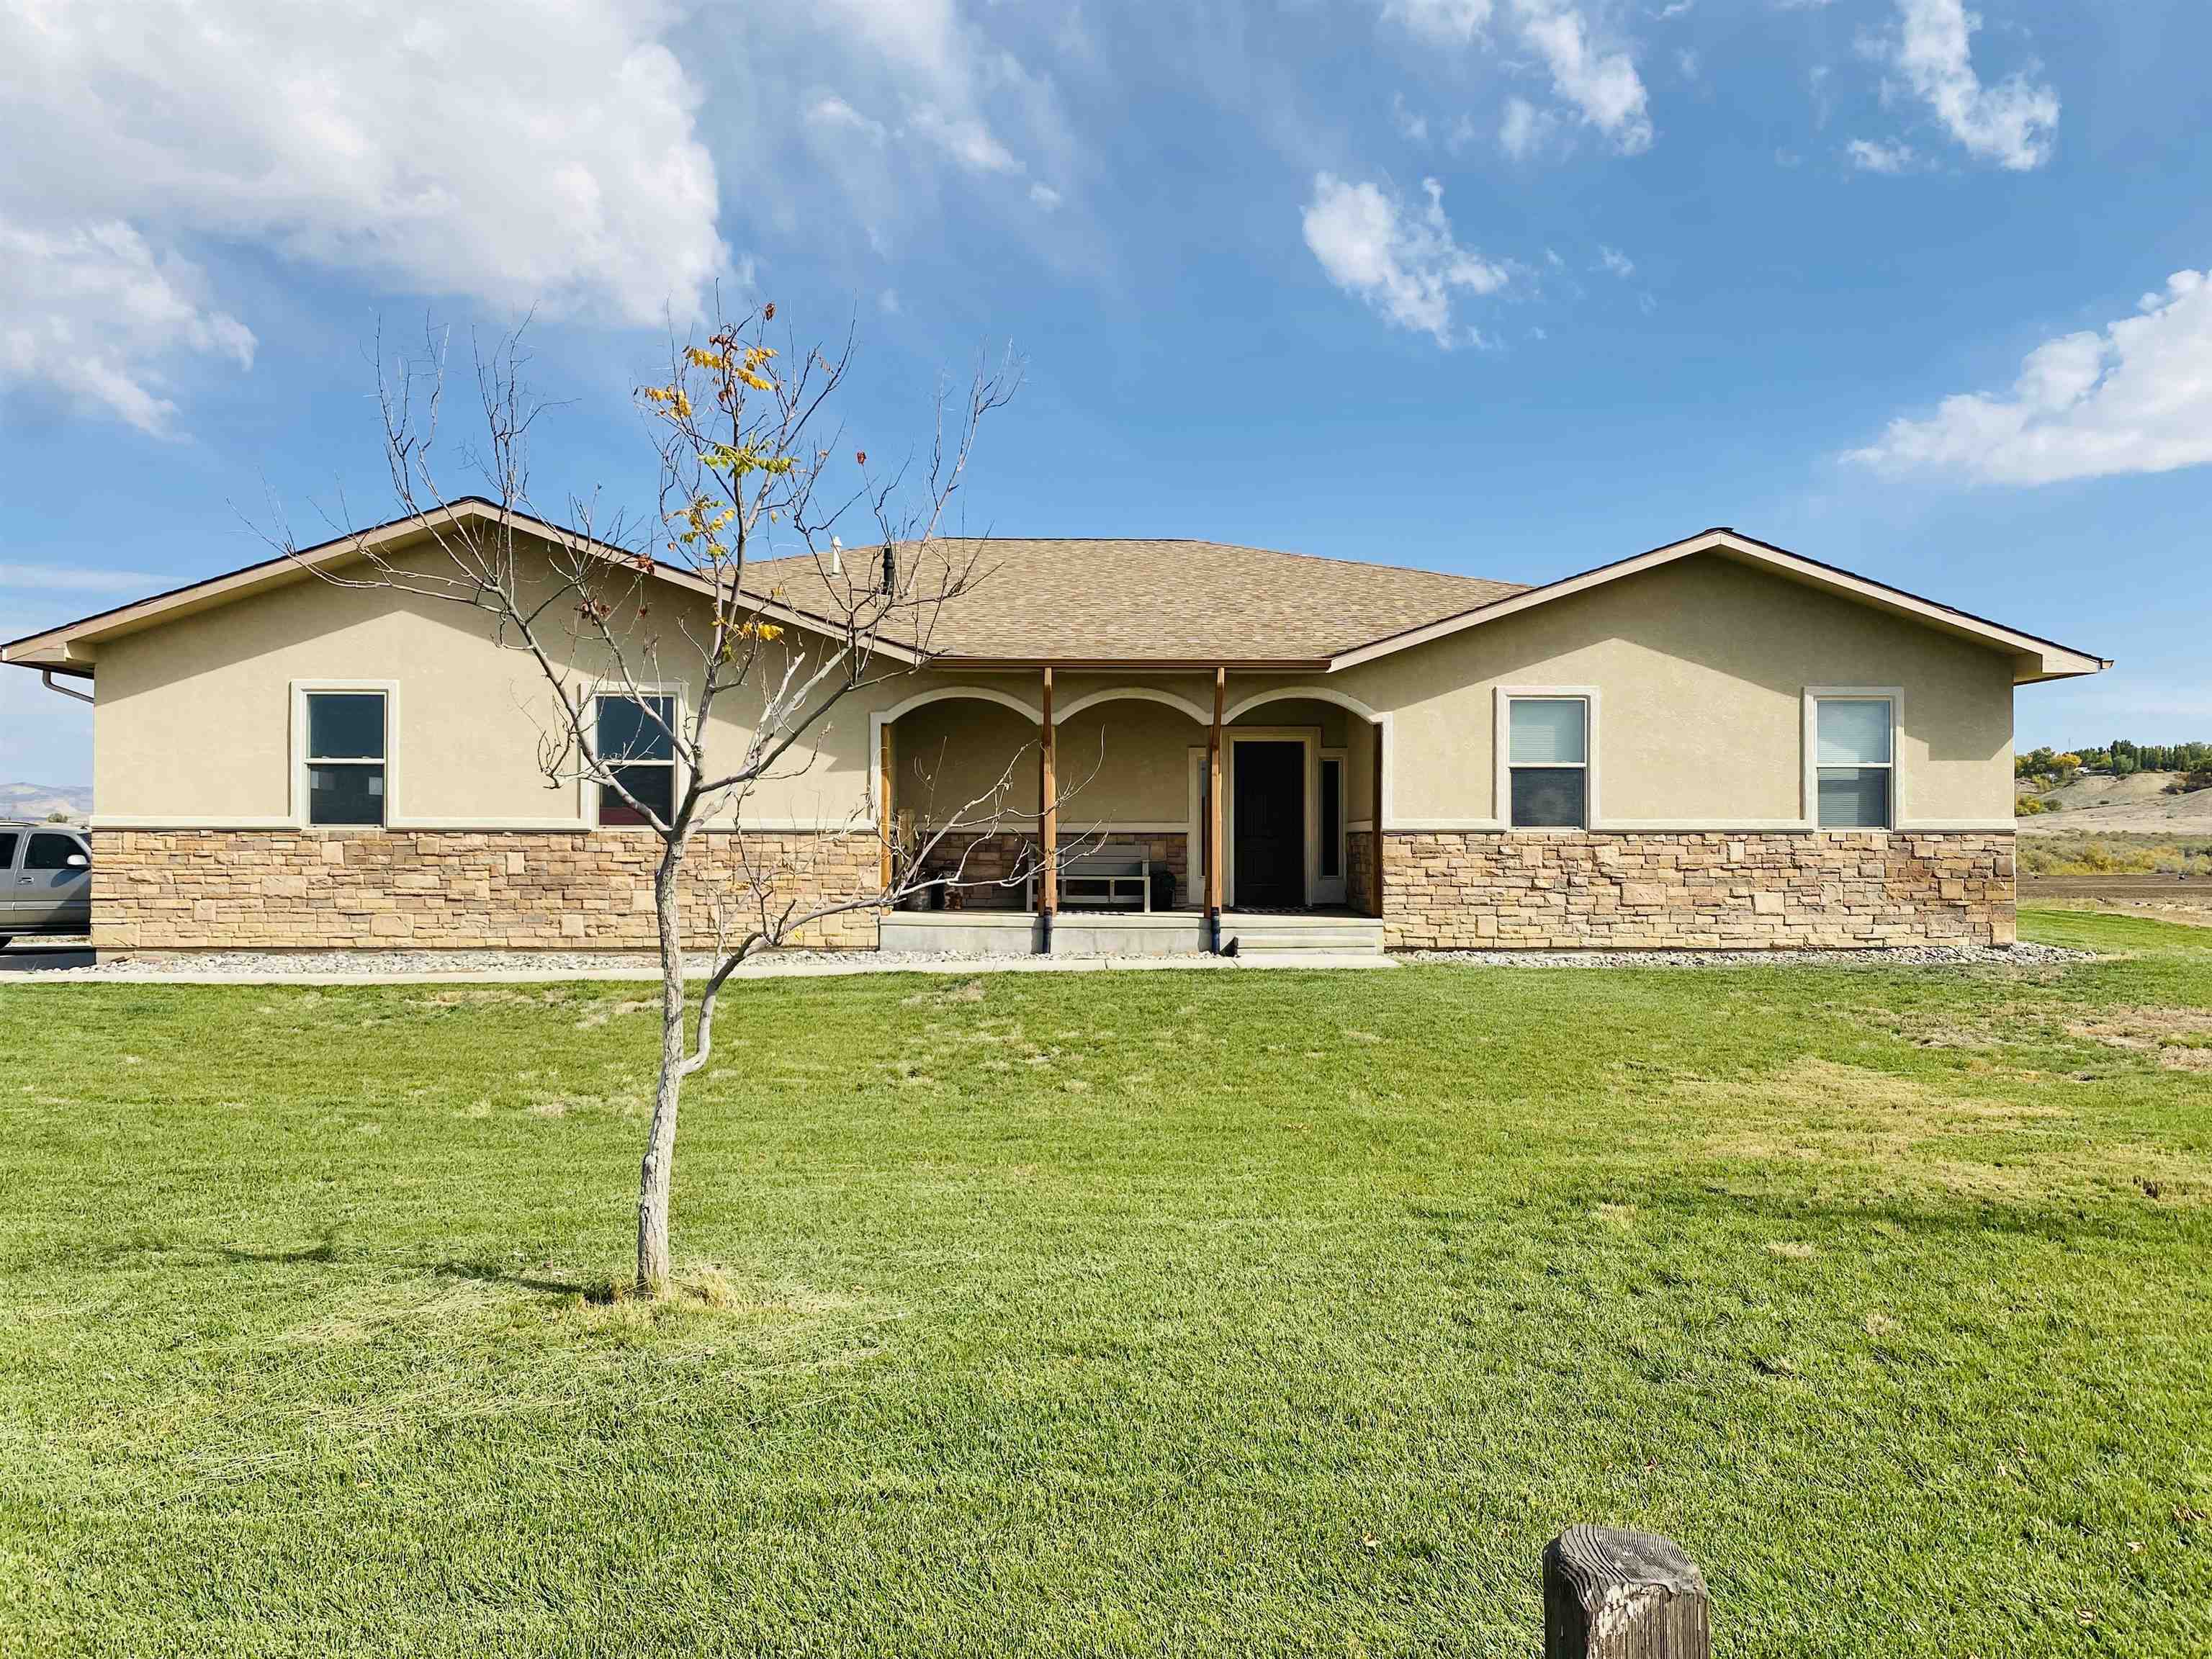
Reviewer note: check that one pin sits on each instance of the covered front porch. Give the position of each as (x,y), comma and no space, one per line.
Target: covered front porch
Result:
(1083,813)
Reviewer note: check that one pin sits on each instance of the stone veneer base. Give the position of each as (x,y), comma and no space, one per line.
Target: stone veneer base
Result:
(172,889)
(1702,890)
(455,889)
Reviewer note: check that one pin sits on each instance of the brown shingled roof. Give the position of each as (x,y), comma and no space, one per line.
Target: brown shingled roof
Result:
(1084,599)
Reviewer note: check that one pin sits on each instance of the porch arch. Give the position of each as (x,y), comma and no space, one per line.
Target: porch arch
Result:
(1319,693)
(1134,694)
(1030,711)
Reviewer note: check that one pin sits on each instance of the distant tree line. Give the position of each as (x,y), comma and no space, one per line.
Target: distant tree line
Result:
(2119,758)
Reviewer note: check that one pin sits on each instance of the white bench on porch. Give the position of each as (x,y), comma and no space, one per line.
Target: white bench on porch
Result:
(1105,877)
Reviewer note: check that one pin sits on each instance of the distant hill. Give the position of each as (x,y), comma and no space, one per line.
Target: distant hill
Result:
(2136,804)
(41,800)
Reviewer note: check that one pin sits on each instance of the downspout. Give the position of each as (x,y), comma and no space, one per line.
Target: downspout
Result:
(46,676)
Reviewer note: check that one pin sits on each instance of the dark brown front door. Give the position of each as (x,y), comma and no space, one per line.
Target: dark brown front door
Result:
(1270,798)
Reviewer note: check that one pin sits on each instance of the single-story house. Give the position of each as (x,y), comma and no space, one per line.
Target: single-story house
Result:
(1715,743)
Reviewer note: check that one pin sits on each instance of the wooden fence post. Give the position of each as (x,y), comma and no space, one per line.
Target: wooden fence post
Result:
(1610,1594)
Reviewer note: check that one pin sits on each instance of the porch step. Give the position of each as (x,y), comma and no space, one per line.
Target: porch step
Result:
(1299,936)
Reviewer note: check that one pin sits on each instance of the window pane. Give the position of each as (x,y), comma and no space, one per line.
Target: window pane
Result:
(7,851)
(1853,734)
(49,851)
(345,795)
(627,732)
(1855,798)
(652,786)
(1332,817)
(345,726)
(1547,731)
(1546,797)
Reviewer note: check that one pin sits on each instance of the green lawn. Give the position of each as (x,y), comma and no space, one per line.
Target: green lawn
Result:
(1148,1313)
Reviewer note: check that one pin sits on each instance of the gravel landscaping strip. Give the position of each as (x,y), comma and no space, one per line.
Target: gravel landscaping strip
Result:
(1906,956)
(390,966)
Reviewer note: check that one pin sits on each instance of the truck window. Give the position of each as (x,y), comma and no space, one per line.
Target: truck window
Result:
(49,851)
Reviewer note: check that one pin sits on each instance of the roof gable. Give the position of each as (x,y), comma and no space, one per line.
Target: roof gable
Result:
(52,647)
(2034,658)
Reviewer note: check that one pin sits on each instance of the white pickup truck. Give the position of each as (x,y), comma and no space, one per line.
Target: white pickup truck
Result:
(46,880)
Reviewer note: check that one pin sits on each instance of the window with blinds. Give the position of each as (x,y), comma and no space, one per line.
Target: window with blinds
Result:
(1548,754)
(1855,764)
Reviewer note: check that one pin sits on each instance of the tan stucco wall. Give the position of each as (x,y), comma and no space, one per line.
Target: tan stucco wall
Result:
(1701,667)
(1123,762)
(192,722)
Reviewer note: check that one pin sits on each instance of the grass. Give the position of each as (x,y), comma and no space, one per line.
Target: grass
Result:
(1281,1313)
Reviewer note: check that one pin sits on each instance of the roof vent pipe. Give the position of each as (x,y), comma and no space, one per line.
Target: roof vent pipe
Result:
(890,569)
(837,557)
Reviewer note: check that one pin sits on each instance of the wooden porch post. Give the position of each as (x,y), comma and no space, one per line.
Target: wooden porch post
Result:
(1213,882)
(1375,817)
(1048,820)
(886,819)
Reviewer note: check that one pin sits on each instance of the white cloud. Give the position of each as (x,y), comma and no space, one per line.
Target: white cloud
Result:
(1439,22)
(442,150)
(946,74)
(832,114)
(1612,259)
(1870,155)
(942,105)
(1599,81)
(1401,260)
(1523,128)
(888,303)
(95,314)
(438,152)
(1589,72)
(2014,123)
(965,138)
(2135,398)
(1413,126)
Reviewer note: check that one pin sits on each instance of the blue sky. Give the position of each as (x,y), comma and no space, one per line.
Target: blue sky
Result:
(1506,286)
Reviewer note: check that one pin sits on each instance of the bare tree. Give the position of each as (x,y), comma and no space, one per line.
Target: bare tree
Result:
(749,466)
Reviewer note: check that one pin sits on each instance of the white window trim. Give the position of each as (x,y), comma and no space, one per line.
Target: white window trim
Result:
(678,772)
(1814,696)
(1501,755)
(389,689)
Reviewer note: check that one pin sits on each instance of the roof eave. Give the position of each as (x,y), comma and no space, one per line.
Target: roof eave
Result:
(54,657)
(1119,665)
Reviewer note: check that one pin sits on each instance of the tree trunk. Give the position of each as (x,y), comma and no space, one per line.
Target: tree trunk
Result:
(659,1169)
